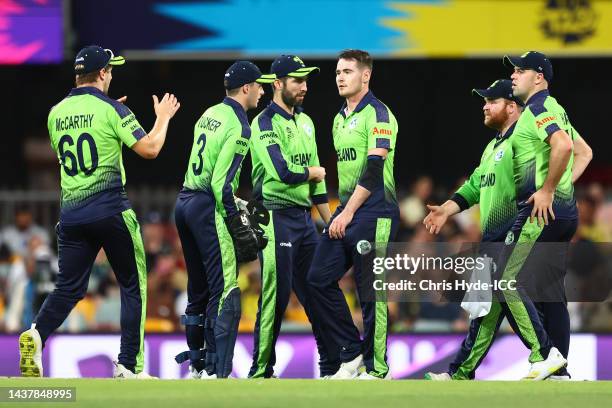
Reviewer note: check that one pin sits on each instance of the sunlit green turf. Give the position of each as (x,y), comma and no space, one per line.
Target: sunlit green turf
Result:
(317,394)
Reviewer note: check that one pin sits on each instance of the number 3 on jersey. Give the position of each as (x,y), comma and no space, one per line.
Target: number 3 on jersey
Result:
(199,166)
(78,162)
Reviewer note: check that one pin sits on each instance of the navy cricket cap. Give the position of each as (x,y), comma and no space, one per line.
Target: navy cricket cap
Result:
(94,58)
(531,60)
(502,88)
(245,72)
(290,65)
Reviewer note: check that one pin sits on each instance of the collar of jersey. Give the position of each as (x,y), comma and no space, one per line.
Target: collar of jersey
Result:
(538,95)
(238,109)
(85,90)
(500,138)
(277,109)
(367,98)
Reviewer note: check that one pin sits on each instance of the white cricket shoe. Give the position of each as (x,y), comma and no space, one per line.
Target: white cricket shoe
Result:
(200,375)
(438,377)
(121,372)
(349,370)
(541,370)
(30,351)
(566,377)
(367,376)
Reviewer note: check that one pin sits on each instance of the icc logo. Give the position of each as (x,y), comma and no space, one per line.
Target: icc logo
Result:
(571,21)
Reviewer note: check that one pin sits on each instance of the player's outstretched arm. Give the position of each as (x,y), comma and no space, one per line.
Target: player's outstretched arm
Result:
(583,154)
(150,145)
(439,214)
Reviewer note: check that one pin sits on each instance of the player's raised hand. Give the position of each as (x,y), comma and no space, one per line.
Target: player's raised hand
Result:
(316,174)
(435,220)
(542,201)
(123,99)
(167,107)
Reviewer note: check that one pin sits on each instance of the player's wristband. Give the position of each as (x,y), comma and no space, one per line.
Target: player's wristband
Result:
(461,202)
(319,199)
(373,175)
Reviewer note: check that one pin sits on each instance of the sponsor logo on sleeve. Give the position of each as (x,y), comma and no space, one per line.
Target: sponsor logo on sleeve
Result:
(544,121)
(381,131)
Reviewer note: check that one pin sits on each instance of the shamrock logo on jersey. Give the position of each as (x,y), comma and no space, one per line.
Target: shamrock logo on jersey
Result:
(307,129)
(509,238)
(499,155)
(353,124)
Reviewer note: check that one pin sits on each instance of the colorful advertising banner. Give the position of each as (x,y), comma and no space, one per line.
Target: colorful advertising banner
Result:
(31,32)
(410,356)
(401,28)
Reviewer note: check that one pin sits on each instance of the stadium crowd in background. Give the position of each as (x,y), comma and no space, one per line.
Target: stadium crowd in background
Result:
(28,265)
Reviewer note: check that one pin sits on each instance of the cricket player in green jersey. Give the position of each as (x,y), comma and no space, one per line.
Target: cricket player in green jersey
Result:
(364,134)
(216,235)
(88,130)
(491,185)
(288,180)
(549,155)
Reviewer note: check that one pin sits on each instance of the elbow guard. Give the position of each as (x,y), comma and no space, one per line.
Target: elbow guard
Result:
(372,178)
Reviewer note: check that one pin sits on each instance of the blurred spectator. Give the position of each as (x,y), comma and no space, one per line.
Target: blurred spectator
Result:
(154,237)
(42,269)
(18,236)
(13,282)
(166,280)
(412,208)
(589,226)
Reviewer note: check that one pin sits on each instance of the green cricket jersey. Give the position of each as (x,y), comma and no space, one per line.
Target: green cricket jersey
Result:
(283,146)
(220,142)
(371,125)
(87,131)
(542,117)
(492,186)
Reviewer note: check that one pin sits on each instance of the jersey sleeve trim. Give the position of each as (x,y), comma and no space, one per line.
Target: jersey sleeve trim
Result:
(319,199)
(280,165)
(382,113)
(552,128)
(227,192)
(265,120)
(241,115)
(139,133)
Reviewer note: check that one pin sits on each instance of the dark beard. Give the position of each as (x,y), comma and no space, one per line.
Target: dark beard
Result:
(289,100)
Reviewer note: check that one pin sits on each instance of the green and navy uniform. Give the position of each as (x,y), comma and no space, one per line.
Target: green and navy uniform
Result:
(545,323)
(283,146)
(371,125)
(491,185)
(542,117)
(88,130)
(220,143)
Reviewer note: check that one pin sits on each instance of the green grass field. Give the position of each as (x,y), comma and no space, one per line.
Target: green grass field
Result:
(318,394)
